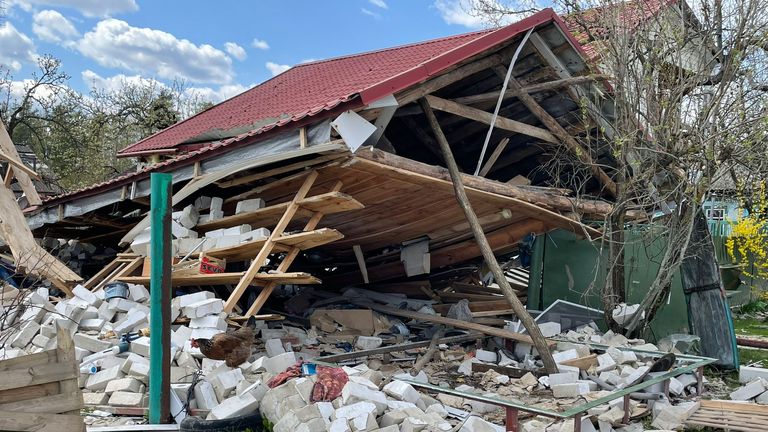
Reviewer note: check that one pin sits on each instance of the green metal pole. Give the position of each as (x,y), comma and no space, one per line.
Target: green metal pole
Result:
(160,299)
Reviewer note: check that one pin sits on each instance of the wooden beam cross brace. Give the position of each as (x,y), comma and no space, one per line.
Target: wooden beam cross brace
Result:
(288,259)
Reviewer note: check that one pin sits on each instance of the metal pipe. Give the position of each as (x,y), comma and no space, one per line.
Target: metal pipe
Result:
(160,299)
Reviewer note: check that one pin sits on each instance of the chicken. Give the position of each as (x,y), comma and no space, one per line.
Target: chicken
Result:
(234,347)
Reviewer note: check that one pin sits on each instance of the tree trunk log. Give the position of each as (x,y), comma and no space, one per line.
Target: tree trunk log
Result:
(461,196)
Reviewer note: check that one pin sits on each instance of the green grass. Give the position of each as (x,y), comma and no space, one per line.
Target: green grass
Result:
(751,355)
(750,326)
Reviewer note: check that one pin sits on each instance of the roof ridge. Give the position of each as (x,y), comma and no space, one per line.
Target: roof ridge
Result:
(337,58)
(396,47)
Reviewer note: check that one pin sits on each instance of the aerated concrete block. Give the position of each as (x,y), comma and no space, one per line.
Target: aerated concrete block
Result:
(353,392)
(128,384)
(234,407)
(203,308)
(85,294)
(99,380)
(25,335)
(748,374)
(280,363)
(126,399)
(211,321)
(274,347)
(402,391)
(223,383)
(249,205)
(95,398)
(90,343)
(368,342)
(140,346)
(570,390)
(205,395)
(138,293)
(749,391)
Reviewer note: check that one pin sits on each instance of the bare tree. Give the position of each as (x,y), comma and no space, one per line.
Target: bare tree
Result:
(689,108)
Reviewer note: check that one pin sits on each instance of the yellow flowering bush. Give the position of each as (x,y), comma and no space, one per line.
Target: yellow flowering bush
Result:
(748,242)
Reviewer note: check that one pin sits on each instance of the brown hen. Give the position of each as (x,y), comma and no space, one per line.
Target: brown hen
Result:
(234,347)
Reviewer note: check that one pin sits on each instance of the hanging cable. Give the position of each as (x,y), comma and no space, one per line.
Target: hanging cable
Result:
(501,97)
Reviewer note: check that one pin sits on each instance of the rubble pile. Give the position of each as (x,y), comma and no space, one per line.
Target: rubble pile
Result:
(112,346)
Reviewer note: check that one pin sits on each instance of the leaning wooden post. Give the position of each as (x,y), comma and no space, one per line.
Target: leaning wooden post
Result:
(461,196)
(160,299)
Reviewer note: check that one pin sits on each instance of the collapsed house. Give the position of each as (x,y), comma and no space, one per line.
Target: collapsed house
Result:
(324,188)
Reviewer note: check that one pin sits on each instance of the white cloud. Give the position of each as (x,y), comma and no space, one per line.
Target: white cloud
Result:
(115,43)
(277,69)
(235,50)
(465,12)
(51,26)
(371,13)
(18,89)
(16,48)
(379,3)
(115,82)
(458,12)
(260,44)
(216,95)
(89,8)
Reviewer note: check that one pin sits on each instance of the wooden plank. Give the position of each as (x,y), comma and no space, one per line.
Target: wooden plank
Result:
(583,363)
(468,296)
(24,362)
(29,256)
(54,404)
(576,149)
(42,374)
(360,262)
(7,147)
(725,405)
(328,203)
(491,331)
(288,259)
(98,277)
(533,88)
(29,392)
(277,171)
(525,201)
(302,240)
(65,351)
(486,117)
(266,249)
(494,156)
(447,78)
(230,278)
(40,422)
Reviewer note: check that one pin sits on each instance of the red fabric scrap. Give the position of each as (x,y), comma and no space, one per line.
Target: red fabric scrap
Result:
(330,381)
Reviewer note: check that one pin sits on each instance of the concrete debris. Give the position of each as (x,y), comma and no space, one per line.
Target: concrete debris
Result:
(382,393)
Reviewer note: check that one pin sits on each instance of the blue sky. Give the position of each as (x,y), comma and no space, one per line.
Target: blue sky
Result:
(219,48)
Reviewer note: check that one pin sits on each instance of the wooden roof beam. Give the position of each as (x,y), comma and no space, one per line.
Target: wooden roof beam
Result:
(503,123)
(581,153)
(533,88)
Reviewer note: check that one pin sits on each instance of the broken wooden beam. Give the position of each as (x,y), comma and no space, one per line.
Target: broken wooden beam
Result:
(437,319)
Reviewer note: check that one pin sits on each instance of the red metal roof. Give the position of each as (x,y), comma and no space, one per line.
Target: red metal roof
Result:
(305,89)
(310,88)
(591,26)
